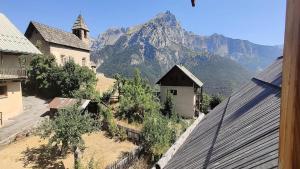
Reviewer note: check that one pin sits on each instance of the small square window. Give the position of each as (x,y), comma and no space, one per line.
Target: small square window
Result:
(3,91)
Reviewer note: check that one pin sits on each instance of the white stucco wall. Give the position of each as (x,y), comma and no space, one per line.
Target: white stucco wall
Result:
(76,54)
(184,101)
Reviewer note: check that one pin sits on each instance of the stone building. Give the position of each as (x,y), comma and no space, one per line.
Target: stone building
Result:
(13,47)
(65,46)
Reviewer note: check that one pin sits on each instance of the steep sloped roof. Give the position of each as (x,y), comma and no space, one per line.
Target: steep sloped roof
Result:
(80,24)
(242,132)
(186,72)
(12,40)
(56,36)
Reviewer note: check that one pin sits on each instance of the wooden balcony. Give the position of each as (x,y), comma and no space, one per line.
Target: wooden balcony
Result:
(12,73)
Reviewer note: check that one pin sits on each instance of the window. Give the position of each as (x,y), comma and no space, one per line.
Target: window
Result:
(85,34)
(83,62)
(174,92)
(3,91)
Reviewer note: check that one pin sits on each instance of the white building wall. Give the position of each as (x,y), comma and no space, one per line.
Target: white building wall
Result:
(184,101)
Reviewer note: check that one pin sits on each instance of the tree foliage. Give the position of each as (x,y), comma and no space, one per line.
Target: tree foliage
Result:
(48,79)
(157,134)
(67,128)
(137,99)
(215,100)
(168,106)
(205,103)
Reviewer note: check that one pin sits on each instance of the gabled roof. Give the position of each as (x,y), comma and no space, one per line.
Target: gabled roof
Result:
(186,72)
(57,36)
(12,40)
(241,132)
(80,24)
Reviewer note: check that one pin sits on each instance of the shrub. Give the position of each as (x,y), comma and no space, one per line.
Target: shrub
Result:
(215,100)
(157,135)
(205,103)
(122,134)
(168,106)
(137,99)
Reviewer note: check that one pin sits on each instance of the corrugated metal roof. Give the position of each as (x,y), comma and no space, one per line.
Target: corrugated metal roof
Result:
(242,132)
(12,40)
(186,72)
(59,103)
(57,36)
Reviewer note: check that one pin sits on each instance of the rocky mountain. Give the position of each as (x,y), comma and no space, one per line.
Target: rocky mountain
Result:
(155,46)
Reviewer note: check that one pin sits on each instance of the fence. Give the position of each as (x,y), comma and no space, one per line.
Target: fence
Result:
(131,133)
(12,73)
(127,161)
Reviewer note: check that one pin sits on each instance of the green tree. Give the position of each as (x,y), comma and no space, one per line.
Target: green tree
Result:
(157,134)
(215,100)
(137,99)
(67,128)
(47,79)
(205,103)
(40,75)
(168,106)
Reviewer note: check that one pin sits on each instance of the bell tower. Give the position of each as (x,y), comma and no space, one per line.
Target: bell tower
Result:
(81,30)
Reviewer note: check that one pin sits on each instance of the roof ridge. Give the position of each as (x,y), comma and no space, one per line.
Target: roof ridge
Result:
(51,27)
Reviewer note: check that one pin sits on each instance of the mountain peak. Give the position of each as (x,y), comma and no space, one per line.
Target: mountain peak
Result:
(166,18)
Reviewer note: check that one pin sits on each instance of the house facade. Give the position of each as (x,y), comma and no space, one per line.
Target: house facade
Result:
(65,46)
(185,88)
(13,46)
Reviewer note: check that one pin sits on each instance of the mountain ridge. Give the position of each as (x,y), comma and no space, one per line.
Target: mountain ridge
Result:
(160,43)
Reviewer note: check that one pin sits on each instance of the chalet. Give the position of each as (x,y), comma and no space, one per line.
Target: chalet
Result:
(185,88)
(13,45)
(241,132)
(65,46)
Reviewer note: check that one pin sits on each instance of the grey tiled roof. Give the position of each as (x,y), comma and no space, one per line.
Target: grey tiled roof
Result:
(12,40)
(80,24)
(242,132)
(57,36)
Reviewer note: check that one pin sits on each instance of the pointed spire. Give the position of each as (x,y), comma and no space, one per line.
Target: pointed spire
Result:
(80,24)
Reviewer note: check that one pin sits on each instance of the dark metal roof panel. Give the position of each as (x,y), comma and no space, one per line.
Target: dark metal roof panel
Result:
(241,134)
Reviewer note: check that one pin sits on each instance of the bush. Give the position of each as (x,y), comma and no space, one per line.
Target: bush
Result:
(215,100)
(106,96)
(109,122)
(122,134)
(168,106)
(137,99)
(157,135)
(205,103)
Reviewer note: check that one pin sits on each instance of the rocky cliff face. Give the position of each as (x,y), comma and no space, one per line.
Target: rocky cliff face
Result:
(155,46)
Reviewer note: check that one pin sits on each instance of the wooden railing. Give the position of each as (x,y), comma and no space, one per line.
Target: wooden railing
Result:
(12,73)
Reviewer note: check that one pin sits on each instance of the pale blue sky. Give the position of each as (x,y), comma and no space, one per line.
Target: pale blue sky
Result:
(259,21)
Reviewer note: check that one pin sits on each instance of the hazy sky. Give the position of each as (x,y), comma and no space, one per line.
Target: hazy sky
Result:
(259,21)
